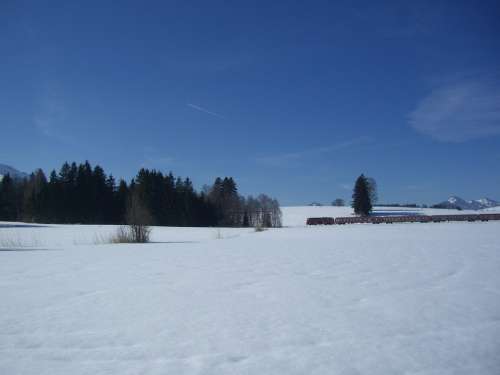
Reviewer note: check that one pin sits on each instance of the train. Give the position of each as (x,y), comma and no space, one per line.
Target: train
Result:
(400,219)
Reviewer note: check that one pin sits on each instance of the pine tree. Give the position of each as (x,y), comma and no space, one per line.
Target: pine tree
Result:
(109,200)
(121,198)
(230,203)
(33,197)
(53,208)
(361,201)
(99,199)
(8,209)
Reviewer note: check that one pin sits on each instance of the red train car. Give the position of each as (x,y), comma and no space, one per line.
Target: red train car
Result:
(400,219)
(320,221)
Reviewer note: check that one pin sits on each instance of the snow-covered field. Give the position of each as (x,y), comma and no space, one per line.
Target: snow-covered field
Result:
(354,299)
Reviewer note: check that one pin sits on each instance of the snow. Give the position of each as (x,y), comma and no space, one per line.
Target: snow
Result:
(355,299)
(491,209)
(487,203)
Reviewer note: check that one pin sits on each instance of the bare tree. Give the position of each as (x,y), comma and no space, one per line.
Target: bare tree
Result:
(138,219)
(269,212)
(276,214)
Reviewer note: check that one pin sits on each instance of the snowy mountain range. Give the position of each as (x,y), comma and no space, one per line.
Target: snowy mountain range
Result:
(12,172)
(460,203)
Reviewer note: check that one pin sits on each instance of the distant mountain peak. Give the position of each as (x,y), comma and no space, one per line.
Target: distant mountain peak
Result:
(487,202)
(455,202)
(11,171)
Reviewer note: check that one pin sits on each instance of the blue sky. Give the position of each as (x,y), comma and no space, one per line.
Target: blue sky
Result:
(292,98)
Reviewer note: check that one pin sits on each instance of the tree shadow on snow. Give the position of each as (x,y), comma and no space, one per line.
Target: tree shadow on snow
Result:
(17,225)
(22,249)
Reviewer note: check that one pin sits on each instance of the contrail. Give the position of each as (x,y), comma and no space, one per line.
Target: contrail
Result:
(201,109)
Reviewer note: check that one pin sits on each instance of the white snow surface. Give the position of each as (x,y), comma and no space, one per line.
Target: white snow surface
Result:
(354,299)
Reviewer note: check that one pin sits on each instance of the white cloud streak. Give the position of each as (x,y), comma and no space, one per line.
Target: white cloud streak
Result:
(459,112)
(201,109)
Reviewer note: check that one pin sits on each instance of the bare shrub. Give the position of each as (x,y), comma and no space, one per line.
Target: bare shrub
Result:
(259,228)
(138,219)
(123,235)
(137,230)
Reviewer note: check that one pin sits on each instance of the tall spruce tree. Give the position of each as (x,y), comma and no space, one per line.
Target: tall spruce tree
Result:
(361,201)
(8,209)
(33,197)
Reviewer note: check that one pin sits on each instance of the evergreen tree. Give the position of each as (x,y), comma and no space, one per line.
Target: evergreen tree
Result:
(67,199)
(361,201)
(109,200)
(53,208)
(8,209)
(99,196)
(120,202)
(34,197)
(84,194)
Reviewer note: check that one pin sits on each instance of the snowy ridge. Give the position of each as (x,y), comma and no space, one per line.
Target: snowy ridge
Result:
(486,202)
(12,172)
(455,202)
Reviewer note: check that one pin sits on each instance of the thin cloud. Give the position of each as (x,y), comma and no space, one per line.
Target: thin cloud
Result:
(291,158)
(201,109)
(459,112)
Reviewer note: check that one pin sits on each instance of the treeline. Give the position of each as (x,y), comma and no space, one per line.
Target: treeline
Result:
(87,195)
